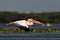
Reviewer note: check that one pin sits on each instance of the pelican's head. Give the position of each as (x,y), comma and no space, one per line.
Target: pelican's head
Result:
(30,20)
(34,21)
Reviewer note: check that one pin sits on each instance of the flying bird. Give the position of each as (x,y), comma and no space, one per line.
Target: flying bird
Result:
(23,24)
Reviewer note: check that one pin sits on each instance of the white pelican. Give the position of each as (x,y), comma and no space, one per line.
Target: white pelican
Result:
(25,24)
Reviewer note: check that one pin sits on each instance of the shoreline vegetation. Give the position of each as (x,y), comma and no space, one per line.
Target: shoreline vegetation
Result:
(47,17)
(43,30)
(51,17)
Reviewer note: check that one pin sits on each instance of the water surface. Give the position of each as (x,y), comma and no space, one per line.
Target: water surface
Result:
(31,36)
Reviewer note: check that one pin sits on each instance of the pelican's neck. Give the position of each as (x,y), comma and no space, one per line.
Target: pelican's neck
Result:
(29,23)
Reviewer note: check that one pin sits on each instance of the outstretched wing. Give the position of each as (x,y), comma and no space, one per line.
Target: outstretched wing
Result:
(12,24)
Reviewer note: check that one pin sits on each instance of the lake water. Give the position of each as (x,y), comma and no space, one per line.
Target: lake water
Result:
(31,36)
(55,26)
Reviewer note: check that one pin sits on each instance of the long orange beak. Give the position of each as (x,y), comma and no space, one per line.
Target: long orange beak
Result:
(48,25)
(37,22)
